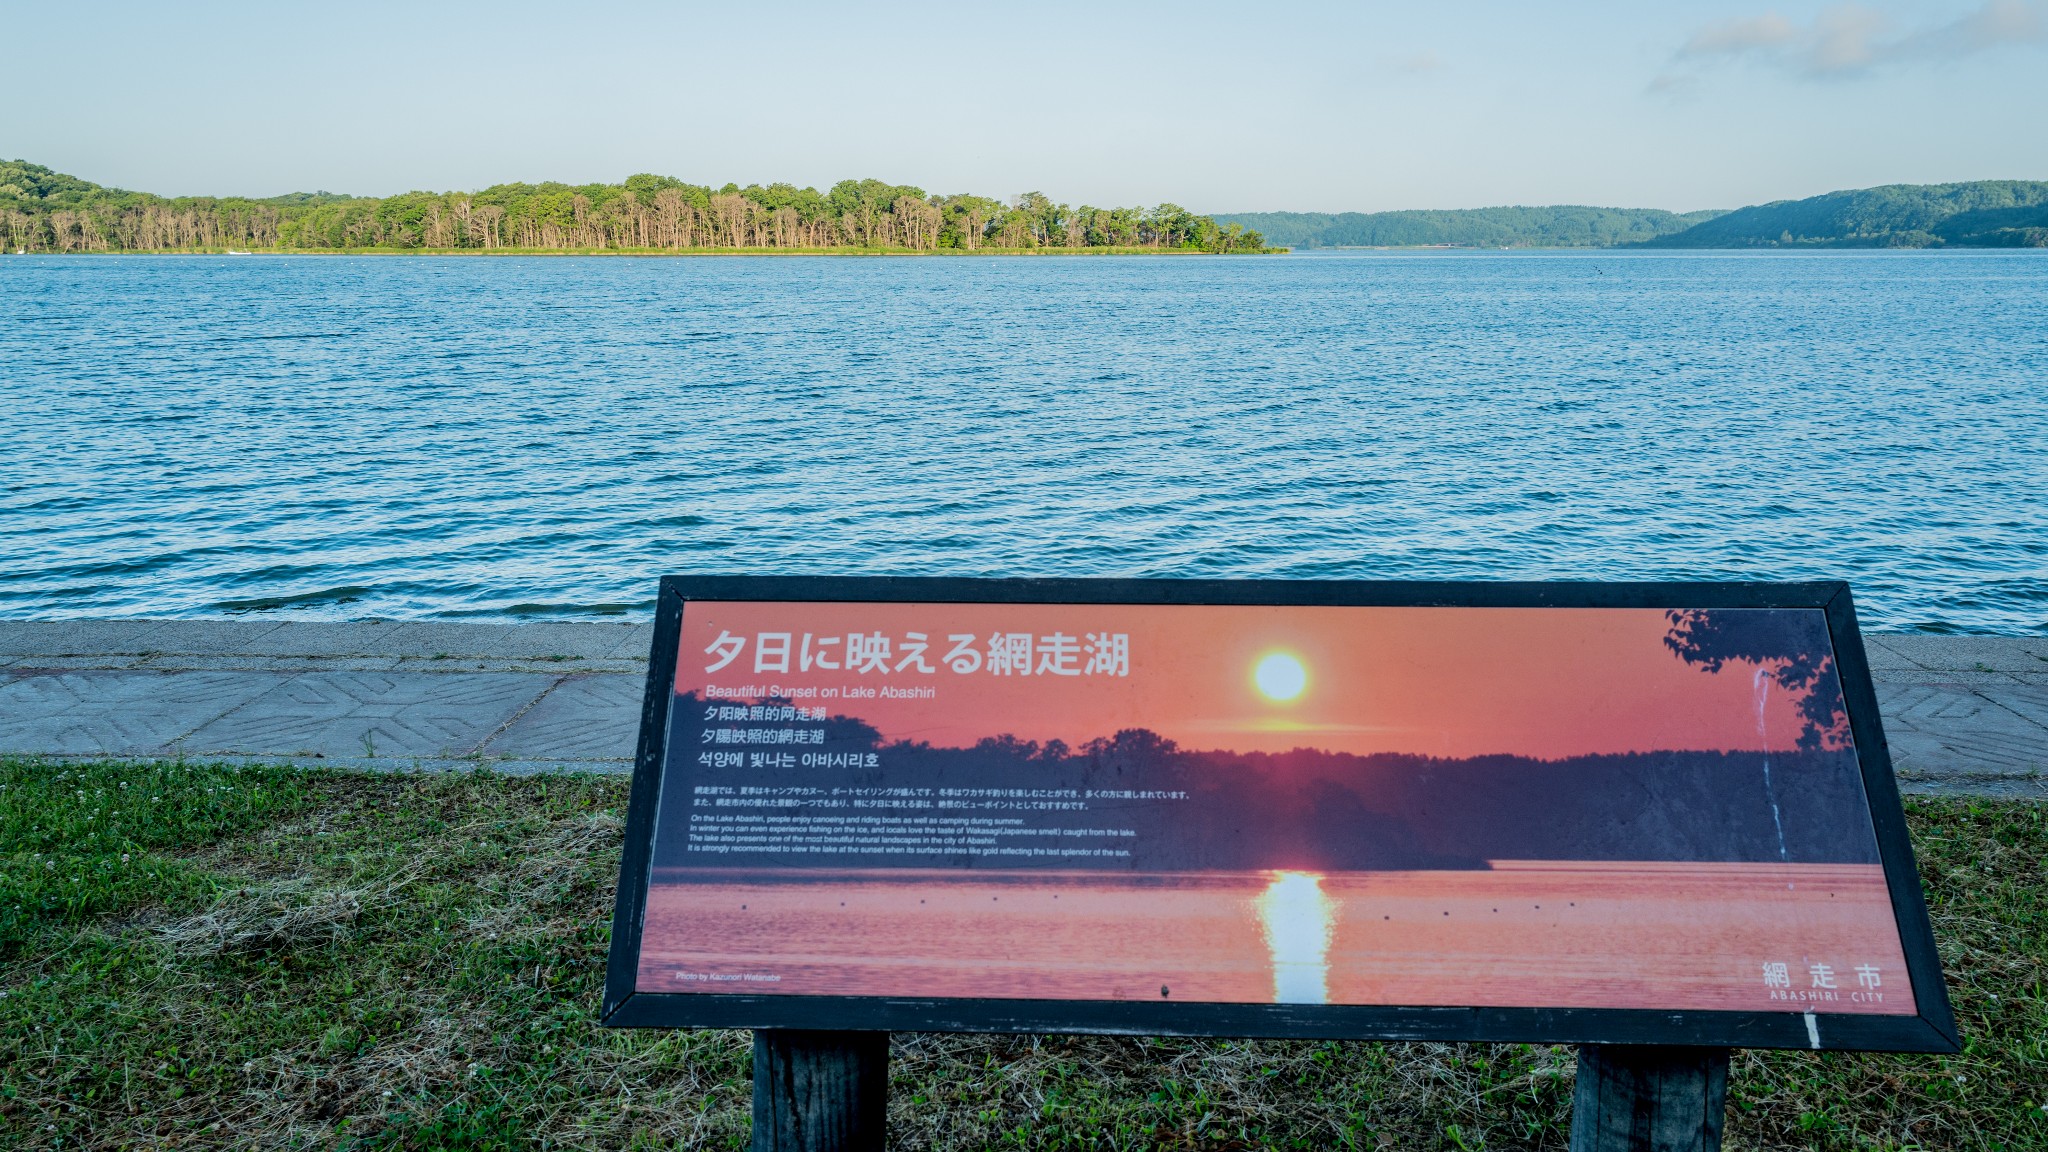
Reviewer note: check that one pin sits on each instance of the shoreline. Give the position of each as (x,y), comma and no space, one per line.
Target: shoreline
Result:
(1963,715)
(1276,250)
(838,251)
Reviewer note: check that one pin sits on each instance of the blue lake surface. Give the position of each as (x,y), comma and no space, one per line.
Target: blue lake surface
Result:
(343,437)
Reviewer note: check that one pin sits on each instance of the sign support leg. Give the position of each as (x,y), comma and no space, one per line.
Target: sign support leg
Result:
(1649,1098)
(820,1091)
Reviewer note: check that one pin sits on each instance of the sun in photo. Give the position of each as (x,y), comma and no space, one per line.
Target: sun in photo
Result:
(1280,677)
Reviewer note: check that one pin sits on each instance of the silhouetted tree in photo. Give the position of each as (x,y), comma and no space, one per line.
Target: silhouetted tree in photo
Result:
(1141,745)
(1323,810)
(1791,645)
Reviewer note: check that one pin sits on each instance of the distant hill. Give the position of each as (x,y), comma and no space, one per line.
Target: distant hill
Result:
(1978,214)
(1558,226)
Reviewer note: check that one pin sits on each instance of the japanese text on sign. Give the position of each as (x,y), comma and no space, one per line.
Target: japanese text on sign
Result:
(1000,654)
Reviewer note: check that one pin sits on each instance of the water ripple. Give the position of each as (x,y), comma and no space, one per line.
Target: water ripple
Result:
(519,438)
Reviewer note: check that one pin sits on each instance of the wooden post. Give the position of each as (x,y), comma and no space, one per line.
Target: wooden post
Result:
(820,1091)
(1644,1098)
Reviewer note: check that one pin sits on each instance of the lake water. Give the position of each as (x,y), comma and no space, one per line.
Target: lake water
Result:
(345,437)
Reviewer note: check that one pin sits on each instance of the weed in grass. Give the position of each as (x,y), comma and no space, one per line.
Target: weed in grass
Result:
(325,960)
(82,841)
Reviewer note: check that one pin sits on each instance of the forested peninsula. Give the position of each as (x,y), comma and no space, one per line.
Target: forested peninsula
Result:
(46,211)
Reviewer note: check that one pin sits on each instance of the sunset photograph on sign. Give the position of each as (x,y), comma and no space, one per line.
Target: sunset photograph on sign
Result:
(1267,804)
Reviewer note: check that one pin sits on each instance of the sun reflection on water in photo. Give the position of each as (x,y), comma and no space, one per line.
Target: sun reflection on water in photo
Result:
(1298,921)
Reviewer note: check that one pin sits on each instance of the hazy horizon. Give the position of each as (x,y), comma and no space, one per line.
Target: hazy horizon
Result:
(1316,108)
(824,185)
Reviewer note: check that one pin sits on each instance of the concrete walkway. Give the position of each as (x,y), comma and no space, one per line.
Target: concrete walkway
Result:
(1963,714)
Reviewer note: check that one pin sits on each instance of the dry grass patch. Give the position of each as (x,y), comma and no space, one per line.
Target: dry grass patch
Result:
(280,915)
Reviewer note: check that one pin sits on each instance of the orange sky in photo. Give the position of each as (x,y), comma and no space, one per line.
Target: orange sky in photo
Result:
(1541,682)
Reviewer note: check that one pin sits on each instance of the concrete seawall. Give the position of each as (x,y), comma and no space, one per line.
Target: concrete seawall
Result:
(1963,714)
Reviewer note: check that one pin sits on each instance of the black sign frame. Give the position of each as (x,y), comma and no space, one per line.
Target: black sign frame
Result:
(1932,1030)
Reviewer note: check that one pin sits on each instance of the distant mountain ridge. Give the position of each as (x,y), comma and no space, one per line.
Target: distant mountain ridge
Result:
(1556,226)
(1971,214)
(1976,214)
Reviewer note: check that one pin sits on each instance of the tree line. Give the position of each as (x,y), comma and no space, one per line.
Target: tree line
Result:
(46,211)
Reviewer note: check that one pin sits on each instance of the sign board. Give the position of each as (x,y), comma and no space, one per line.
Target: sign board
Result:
(1574,813)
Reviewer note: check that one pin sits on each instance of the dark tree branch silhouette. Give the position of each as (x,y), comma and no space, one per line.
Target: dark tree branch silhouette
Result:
(1792,647)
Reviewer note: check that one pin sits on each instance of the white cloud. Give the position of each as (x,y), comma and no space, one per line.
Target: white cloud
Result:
(1849,40)
(1732,36)
(1674,84)
(1844,40)
(1996,24)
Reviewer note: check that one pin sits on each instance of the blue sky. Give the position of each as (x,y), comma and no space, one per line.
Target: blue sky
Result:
(1311,106)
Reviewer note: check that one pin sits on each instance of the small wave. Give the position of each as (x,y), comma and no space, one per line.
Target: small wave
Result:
(565,611)
(325,596)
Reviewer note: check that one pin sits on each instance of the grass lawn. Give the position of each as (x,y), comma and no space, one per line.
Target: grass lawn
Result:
(198,956)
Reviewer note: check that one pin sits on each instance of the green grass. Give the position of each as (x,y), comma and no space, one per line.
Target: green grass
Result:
(211,956)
